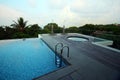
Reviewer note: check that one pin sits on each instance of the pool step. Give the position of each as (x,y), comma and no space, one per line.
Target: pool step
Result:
(58,61)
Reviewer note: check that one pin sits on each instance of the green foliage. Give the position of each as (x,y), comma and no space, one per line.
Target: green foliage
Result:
(45,30)
(87,29)
(114,38)
(9,32)
(87,32)
(20,35)
(90,28)
(116,30)
(110,32)
(33,30)
(20,24)
(20,30)
(2,33)
(72,29)
(56,28)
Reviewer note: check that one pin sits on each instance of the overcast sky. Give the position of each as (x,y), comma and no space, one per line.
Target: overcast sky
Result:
(62,12)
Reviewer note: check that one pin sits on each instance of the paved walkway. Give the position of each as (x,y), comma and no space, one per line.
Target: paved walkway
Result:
(87,61)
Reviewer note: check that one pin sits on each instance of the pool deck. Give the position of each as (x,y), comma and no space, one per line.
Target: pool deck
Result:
(87,61)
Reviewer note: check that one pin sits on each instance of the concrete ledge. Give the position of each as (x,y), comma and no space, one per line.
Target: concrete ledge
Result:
(107,47)
(106,43)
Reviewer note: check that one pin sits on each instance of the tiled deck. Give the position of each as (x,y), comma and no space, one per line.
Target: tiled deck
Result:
(88,61)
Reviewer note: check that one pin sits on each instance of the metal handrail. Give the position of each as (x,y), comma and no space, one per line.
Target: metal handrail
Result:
(67,50)
(57,52)
(57,45)
(60,55)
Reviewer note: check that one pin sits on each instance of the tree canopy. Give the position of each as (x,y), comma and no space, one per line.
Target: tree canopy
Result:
(21,30)
(56,28)
(20,24)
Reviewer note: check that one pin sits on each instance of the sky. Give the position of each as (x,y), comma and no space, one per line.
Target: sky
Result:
(62,12)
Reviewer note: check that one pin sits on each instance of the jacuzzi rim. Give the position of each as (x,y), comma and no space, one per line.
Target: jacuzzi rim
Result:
(77,37)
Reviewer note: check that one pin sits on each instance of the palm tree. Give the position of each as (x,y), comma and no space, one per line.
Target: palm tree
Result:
(20,24)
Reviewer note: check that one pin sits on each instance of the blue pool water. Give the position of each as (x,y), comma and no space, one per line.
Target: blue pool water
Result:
(25,59)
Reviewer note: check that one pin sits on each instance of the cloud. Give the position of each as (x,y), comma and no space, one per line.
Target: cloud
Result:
(32,3)
(96,12)
(57,4)
(63,12)
(65,17)
(8,14)
(89,6)
(79,12)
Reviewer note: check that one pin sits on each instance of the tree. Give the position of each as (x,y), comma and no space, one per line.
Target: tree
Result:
(2,33)
(9,32)
(72,29)
(34,30)
(20,24)
(87,29)
(56,28)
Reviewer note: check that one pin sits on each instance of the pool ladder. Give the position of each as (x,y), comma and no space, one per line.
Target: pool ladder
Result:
(58,60)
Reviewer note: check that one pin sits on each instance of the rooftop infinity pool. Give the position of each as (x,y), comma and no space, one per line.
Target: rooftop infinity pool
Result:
(25,59)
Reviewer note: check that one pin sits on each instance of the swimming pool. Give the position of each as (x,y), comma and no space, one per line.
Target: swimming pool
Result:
(25,59)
